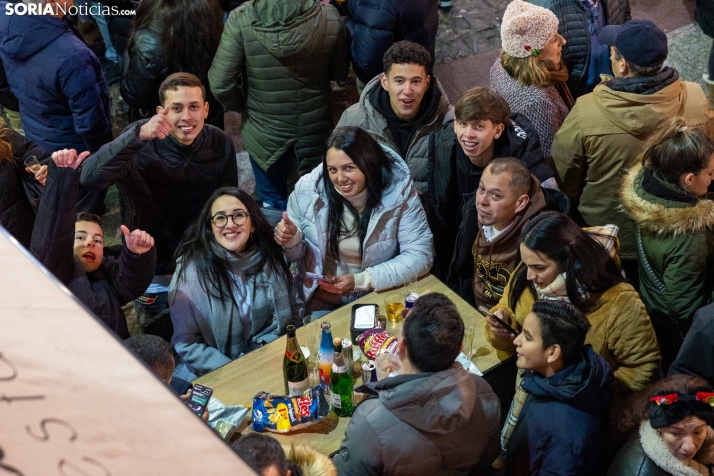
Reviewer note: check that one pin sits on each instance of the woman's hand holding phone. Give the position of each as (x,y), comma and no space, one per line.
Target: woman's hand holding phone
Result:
(496,327)
(340,284)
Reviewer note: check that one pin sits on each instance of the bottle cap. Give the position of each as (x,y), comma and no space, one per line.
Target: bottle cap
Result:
(326,326)
(291,330)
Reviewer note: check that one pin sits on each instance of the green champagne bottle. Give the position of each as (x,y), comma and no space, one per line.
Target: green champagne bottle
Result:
(294,366)
(340,383)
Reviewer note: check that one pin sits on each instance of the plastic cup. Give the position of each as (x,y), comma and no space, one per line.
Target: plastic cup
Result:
(394,303)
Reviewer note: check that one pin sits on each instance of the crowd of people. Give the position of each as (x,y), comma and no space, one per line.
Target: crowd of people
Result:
(569,197)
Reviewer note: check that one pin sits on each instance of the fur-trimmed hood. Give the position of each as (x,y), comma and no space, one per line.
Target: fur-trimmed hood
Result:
(654,214)
(656,450)
(310,461)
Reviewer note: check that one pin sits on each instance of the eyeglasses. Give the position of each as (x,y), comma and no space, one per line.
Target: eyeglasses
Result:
(220,220)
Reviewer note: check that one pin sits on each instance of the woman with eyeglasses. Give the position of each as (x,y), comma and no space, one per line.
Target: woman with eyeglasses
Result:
(356,219)
(232,290)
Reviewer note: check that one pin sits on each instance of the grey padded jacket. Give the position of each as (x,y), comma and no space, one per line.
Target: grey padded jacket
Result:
(398,242)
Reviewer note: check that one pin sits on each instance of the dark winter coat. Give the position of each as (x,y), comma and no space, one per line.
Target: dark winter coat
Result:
(145,72)
(560,428)
(64,100)
(7,99)
(274,64)
(120,25)
(378,24)
(163,184)
(104,291)
(573,26)
(695,357)
(446,193)
(678,245)
(462,265)
(704,14)
(16,214)
(428,424)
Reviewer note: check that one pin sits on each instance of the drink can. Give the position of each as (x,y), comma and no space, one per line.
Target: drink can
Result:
(347,354)
(369,372)
(410,299)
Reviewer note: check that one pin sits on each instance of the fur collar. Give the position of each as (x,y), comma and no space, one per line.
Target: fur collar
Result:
(310,462)
(656,450)
(660,219)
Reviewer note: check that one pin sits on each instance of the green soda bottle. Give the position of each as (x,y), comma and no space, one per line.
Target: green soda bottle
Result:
(340,383)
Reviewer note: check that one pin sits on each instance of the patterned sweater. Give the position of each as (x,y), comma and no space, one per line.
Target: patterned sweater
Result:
(542,106)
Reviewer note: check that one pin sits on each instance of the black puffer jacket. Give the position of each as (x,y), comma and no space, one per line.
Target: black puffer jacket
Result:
(445,180)
(163,184)
(7,98)
(16,214)
(573,26)
(144,73)
(692,360)
(118,279)
(378,24)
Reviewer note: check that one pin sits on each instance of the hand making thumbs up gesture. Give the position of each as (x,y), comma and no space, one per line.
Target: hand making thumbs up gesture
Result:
(285,230)
(158,126)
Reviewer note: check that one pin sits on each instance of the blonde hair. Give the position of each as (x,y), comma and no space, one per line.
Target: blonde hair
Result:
(528,71)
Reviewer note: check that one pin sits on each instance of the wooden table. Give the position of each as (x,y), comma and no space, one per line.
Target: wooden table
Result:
(238,382)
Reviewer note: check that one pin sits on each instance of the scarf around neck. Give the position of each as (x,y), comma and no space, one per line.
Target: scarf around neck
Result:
(270,309)
(558,77)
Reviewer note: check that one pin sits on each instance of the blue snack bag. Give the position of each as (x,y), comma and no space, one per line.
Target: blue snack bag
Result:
(281,414)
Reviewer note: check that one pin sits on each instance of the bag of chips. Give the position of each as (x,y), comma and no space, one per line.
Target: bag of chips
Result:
(282,414)
(377,341)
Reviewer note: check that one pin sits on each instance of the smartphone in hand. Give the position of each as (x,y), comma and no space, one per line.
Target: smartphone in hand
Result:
(199,398)
(484,311)
(319,277)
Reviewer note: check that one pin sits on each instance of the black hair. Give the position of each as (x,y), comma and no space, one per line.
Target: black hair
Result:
(521,182)
(407,52)
(563,324)
(433,333)
(373,162)
(587,265)
(190,32)
(153,351)
(261,452)
(212,270)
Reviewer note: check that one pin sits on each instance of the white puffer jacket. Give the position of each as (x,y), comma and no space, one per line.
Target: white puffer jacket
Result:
(398,243)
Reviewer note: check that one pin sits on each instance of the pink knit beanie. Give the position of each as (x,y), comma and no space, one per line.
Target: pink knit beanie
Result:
(526,29)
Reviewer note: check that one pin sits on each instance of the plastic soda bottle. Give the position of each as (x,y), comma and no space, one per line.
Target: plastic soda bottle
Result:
(325,354)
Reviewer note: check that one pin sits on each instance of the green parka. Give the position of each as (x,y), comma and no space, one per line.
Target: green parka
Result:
(678,245)
(274,64)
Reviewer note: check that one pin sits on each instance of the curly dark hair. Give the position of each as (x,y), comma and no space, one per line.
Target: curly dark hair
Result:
(407,52)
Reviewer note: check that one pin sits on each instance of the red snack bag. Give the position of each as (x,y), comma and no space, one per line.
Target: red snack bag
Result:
(377,341)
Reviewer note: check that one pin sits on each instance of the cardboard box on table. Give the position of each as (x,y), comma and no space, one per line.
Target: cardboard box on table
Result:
(74,401)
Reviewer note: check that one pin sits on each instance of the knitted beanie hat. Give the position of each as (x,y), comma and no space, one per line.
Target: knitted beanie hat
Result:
(526,29)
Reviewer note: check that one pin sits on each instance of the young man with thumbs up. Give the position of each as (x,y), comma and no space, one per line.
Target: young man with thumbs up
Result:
(165,168)
(102,282)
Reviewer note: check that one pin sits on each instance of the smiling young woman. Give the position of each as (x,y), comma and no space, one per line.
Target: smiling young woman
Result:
(356,218)
(232,288)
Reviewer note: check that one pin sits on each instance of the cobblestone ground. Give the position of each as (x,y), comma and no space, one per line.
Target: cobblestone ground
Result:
(468,28)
